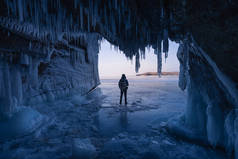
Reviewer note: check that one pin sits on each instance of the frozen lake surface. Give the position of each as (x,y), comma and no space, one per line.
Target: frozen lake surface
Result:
(150,101)
(97,126)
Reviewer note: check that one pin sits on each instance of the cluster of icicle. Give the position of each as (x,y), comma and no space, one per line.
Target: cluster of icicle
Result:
(162,41)
(158,50)
(113,19)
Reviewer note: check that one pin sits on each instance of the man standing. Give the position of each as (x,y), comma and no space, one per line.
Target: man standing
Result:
(123,85)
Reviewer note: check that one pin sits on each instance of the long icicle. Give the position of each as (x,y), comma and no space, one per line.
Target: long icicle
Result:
(137,66)
(159,58)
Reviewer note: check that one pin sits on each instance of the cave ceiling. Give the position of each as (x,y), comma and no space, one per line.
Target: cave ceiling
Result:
(131,25)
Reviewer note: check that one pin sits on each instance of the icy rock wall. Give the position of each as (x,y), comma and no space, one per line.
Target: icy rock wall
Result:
(38,72)
(68,73)
(212,97)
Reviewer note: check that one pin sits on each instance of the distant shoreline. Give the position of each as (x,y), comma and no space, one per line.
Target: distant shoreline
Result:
(156,74)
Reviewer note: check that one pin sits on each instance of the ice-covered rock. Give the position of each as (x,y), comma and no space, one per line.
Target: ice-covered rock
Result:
(209,117)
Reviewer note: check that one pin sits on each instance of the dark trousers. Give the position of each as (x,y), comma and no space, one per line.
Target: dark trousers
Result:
(125,95)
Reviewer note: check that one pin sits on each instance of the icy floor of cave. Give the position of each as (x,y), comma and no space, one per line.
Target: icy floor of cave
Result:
(112,131)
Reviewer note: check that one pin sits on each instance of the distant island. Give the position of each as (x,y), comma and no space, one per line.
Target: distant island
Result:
(156,74)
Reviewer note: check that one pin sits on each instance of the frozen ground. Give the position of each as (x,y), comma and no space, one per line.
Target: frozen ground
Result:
(96,126)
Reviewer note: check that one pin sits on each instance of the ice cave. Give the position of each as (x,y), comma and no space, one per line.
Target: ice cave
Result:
(54,105)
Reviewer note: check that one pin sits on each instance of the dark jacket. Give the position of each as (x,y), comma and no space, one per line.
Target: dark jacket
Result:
(123,84)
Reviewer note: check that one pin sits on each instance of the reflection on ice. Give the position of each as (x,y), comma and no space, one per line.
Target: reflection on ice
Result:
(96,125)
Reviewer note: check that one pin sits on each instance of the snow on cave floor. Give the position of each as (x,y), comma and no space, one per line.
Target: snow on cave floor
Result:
(116,131)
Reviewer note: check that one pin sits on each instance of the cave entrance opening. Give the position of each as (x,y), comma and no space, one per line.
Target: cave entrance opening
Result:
(149,98)
(113,62)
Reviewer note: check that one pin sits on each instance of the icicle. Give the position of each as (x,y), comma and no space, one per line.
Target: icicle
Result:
(142,51)
(5,91)
(81,17)
(8,9)
(137,66)
(166,55)
(113,24)
(75,4)
(159,57)
(95,14)
(30,45)
(159,62)
(91,13)
(162,9)
(165,41)
(122,4)
(105,17)
(20,10)
(16,85)
(14,9)
(186,52)
(115,4)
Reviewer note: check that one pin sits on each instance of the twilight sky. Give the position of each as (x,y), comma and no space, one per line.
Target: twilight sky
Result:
(113,63)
